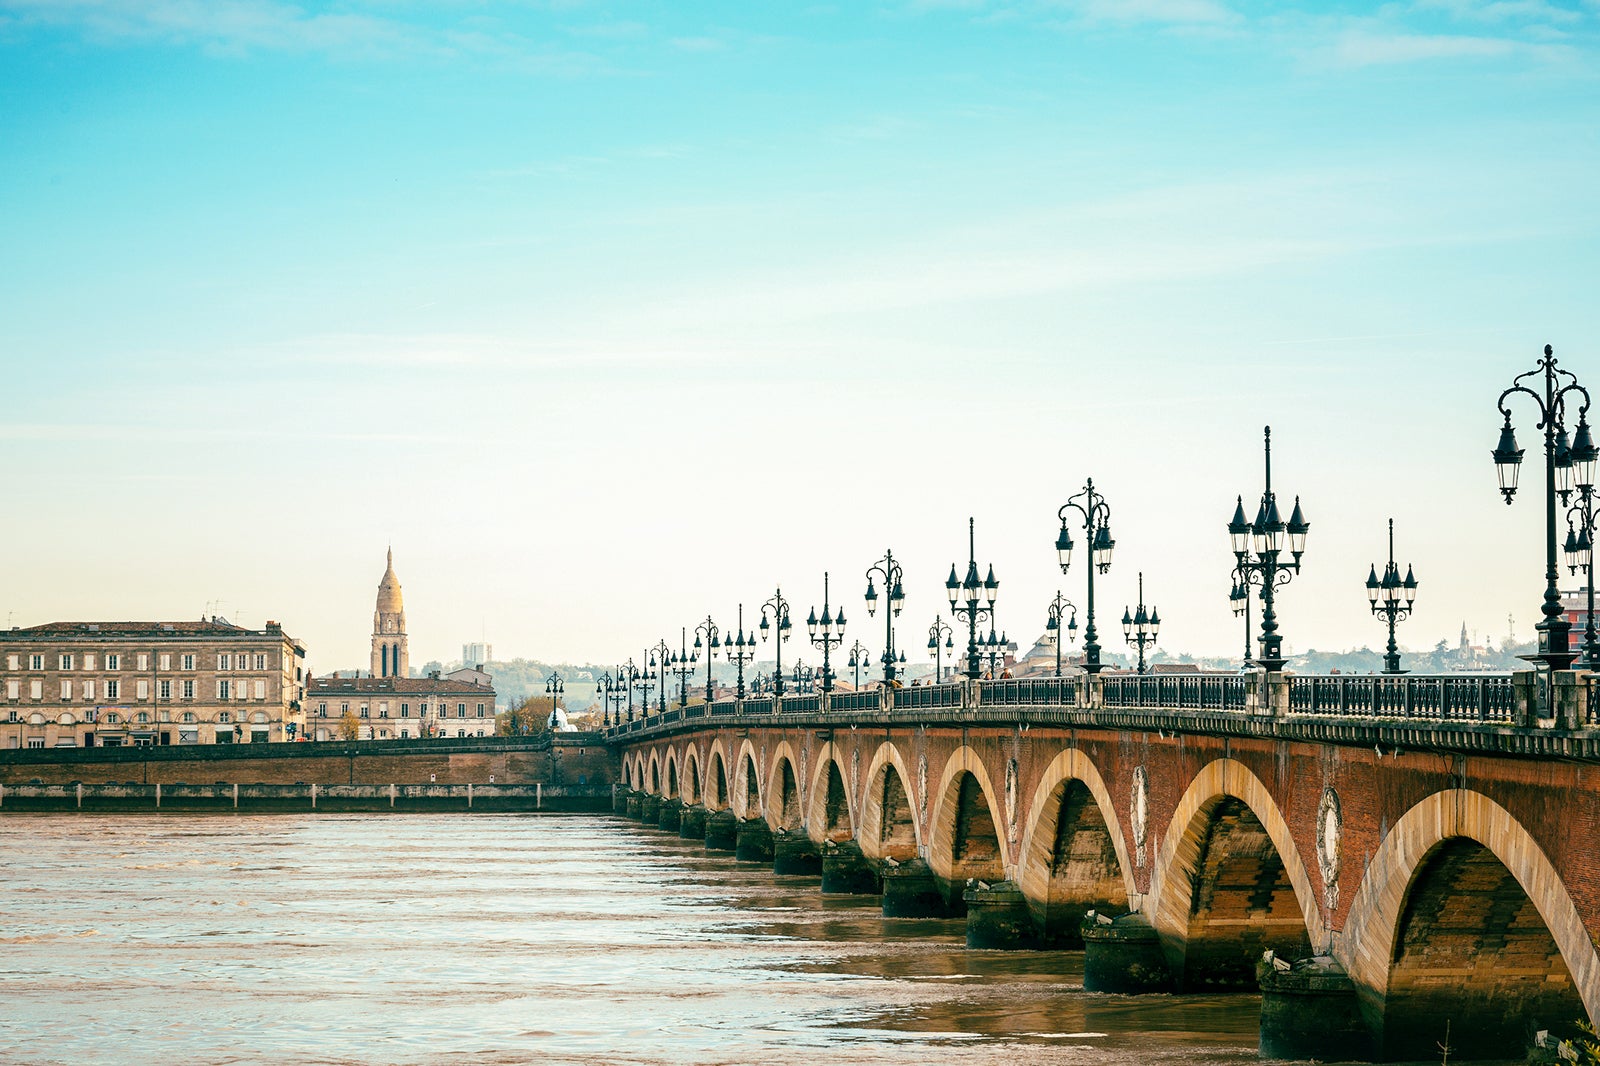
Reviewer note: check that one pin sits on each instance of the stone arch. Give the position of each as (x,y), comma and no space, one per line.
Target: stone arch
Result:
(784,809)
(690,785)
(967,837)
(655,774)
(887,826)
(1074,857)
(716,784)
(1229,882)
(1460,847)
(829,814)
(748,800)
(672,775)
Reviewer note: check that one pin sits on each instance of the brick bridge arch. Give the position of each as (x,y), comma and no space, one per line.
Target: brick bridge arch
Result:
(830,802)
(888,827)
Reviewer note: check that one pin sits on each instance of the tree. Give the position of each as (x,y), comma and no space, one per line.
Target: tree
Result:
(527,718)
(349,727)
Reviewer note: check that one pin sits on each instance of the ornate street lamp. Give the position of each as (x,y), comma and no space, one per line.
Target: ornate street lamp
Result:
(681,664)
(759,683)
(939,631)
(554,688)
(707,629)
(1580,541)
(1239,600)
(1096,515)
(826,633)
(626,673)
(740,649)
(1054,626)
(858,659)
(889,570)
(972,598)
(1257,549)
(804,677)
(777,609)
(613,691)
(994,651)
(1139,627)
(1559,461)
(644,680)
(1390,599)
(660,661)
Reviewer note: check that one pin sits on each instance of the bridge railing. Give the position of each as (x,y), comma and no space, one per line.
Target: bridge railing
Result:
(923,697)
(867,700)
(762,705)
(801,704)
(1211,692)
(1466,697)
(719,708)
(1011,692)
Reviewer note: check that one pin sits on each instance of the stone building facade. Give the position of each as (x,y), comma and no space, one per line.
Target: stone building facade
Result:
(398,708)
(82,684)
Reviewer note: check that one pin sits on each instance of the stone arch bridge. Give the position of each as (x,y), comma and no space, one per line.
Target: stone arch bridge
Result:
(1379,856)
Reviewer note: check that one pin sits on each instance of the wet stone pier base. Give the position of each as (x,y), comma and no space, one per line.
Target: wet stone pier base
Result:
(722,831)
(670,815)
(754,841)
(795,853)
(619,800)
(1123,956)
(911,891)
(1311,1011)
(692,823)
(998,917)
(650,810)
(846,870)
(633,806)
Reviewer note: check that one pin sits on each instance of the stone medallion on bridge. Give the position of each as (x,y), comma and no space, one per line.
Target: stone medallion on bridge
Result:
(1139,812)
(1330,825)
(1011,799)
(922,787)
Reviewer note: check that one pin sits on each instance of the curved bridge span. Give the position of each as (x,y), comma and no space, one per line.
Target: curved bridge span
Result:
(1378,857)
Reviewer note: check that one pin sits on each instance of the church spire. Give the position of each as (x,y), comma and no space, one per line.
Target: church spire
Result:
(390,656)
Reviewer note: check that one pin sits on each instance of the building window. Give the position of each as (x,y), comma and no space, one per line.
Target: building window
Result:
(344,708)
(364,711)
(88,660)
(405,710)
(224,717)
(36,662)
(88,691)
(164,662)
(223,688)
(36,742)
(188,690)
(187,717)
(36,689)
(66,691)
(142,689)
(322,710)
(143,718)
(461,710)
(188,662)
(461,732)
(113,690)
(261,662)
(164,690)
(66,662)
(142,662)
(224,661)
(13,690)
(261,690)
(480,710)
(113,718)
(13,662)
(113,662)
(422,710)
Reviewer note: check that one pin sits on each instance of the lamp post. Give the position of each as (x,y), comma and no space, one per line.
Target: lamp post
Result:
(1560,457)
(994,650)
(889,570)
(1265,536)
(858,659)
(740,649)
(1096,515)
(708,630)
(826,633)
(804,677)
(1390,599)
(778,610)
(939,631)
(554,688)
(614,691)
(972,598)
(626,673)
(660,655)
(759,683)
(644,680)
(1054,625)
(1139,627)
(1239,598)
(681,664)
(1580,550)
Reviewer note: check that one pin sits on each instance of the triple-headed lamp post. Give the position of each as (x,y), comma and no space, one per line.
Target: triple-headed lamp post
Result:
(826,634)
(775,616)
(681,665)
(858,659)
(712,640)
(1096,515)
(1140,627)
(1580,553)
(1258,549)
(1058,628)
(1562,457)
(613,692)
(740,649)
(553,688)
(661,662)
(972,598)
(895,592)
(1390,598)
(644,680)
(939,631)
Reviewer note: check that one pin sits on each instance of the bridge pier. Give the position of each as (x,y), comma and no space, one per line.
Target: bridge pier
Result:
(795,853)
(845,870)
(1311,1010)
(670,815)
(910,890)
(650,809)
(633,805)
(1123,956)
(998,917)
(722,831)
(619,800)
(692,822)
(754,841)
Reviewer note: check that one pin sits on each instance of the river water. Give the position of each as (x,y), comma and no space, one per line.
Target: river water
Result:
(511,939)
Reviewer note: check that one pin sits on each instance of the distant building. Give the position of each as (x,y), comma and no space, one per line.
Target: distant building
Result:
(398,708)
(390,656)
(477,654)
(81,684)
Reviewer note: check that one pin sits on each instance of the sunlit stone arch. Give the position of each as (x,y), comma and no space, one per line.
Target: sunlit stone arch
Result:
(690,779)
(869,826)
(1039,838)
(772,805)
(748,758)
(944,805)
(816,808)
(717,755)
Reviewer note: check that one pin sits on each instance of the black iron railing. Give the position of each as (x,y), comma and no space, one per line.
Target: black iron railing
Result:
(855,701)
(1047,691)
(1463,697)
(918,697)
(1205,692)
(801,704)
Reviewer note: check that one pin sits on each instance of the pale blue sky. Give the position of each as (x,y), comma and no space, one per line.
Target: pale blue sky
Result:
(610,315)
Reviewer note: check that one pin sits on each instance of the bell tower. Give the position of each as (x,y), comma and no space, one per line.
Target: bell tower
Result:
(390,658)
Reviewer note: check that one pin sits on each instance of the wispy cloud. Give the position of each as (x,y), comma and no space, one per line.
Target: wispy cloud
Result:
(1366,48)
